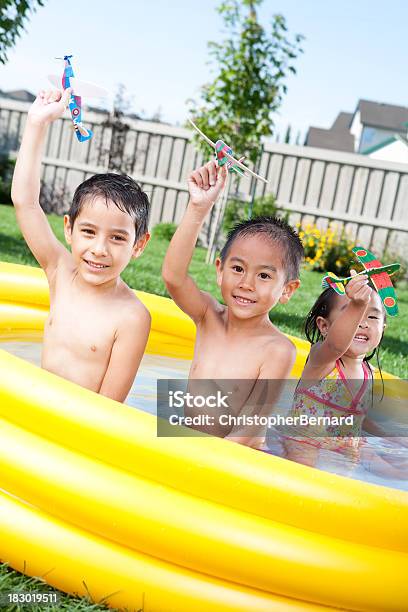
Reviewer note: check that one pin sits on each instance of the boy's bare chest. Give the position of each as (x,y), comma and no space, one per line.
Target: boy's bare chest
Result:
(217,356)
(80,325)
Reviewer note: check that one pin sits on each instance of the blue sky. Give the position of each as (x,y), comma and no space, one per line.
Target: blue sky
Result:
(158,50)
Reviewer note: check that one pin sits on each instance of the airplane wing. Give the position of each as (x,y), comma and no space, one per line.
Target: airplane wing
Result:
(80,88)
(82,130)
(230,157)
(380,278)
(386,291)
(366,258)
(333,281)
(210,142)
(55,80)
(244,168)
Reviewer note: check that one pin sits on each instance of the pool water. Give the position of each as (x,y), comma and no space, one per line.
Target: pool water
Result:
(143,395)
(143,392)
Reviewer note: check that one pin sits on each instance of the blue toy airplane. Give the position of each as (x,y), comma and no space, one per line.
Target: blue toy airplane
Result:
(79,89)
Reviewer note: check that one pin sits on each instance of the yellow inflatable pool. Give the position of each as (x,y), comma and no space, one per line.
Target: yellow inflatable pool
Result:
(94,502)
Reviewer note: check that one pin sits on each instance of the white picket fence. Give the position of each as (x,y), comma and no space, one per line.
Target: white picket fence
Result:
(367,197)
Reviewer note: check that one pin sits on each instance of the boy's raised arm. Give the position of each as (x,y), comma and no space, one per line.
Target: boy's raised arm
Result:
(25,192)
(205,186)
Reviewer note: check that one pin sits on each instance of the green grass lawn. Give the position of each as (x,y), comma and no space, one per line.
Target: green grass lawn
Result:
(14,582)
(144,274)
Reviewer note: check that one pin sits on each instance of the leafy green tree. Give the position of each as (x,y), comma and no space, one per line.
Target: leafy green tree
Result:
(13,16)
(252,64)
(298,137)
(237,210)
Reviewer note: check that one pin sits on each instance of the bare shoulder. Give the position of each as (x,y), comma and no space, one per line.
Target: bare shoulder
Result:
(278,356)
(280,345)
(315,350)
(317,366)
(132,310)
(214,307)
(63,269)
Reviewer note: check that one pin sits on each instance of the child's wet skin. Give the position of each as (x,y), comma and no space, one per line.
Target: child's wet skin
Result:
(252,278)
(236,340)
(370,328)
(97,328)
(102,241)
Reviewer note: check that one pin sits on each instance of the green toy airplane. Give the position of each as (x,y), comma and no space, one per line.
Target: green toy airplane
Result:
(379,276)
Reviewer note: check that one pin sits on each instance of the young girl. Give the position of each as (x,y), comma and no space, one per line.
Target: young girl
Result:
(337,379)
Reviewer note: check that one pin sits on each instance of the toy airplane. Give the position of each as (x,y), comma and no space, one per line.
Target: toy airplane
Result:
(79,89)
(225,155)
(379,276)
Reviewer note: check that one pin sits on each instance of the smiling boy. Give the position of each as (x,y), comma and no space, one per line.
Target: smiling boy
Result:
(97,329)
(257,268)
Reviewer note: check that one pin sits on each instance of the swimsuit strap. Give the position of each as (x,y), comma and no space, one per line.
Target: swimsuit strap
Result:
(355,399)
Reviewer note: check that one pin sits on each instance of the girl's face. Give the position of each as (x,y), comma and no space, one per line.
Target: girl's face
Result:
(370,330)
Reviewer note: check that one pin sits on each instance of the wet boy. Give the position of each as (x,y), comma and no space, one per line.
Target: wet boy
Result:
(257,268)
(97,329)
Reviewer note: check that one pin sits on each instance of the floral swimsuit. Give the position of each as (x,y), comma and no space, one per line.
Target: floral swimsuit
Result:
(333,396)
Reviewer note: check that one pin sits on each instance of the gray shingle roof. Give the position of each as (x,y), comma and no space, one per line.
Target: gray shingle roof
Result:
(380,115)
(342,121)
(19,94)
(339,140)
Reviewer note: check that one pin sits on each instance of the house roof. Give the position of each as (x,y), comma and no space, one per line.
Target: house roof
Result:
(381,115)
(19,94)
(337,139)
(342,121)
(385,143)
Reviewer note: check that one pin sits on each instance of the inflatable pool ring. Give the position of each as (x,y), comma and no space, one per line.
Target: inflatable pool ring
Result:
(91,496)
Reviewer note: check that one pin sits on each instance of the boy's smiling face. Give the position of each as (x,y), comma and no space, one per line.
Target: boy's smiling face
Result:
(102,241)
(252,278)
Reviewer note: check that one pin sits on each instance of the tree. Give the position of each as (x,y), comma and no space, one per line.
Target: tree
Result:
(251,67)
(13,15)
(117,160)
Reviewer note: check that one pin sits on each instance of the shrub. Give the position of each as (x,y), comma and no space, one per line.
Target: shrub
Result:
(164,231)
(391,257)
(331,251)
(327,251)
(6,175)
(237,210)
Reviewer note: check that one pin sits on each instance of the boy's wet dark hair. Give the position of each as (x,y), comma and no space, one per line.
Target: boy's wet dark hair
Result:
(276,230)
(120,189)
